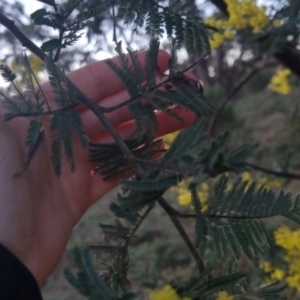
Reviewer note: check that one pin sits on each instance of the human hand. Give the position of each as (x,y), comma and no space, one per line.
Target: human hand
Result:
(39,211)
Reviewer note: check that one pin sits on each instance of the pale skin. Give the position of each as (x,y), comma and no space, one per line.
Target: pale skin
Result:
(39,211)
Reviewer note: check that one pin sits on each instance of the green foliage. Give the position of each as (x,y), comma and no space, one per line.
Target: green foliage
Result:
(7,74)
(90,13)
(110,159)
(234,218)
(57,79)
(179,24)
(233,225)
(62,127)
(87,282)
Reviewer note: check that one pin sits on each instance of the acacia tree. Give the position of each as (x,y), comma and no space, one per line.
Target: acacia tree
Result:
(231,224)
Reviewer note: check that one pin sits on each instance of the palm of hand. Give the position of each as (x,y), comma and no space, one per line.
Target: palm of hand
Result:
(39,210)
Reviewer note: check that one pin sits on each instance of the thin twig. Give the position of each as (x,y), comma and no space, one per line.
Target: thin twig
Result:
(165,205)
(272,172)
(231,94)
(137,226)
(131,235)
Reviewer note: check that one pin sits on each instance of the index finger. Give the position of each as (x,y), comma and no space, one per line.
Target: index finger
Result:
(98,81)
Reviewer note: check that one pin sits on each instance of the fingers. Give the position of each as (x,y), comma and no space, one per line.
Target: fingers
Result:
(167,124)
(98,81)
(91,123)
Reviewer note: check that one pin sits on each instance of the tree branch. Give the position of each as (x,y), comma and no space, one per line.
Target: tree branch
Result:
(236,89)
(170,212)
(18,34)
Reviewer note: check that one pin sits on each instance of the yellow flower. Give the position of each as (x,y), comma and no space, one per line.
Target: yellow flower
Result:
(246,176)
(266,266)
(275,184)
(210,21)
(278,274)
(184,198)
(277,23)
(289,240)
(169,138)
(224,296)
(166,293)
(228,34)
(279,82)
(216,40)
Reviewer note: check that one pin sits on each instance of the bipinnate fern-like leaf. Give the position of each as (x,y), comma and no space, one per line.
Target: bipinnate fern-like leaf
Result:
(7,74)
(235,217)
(130,215)
(130,71)
(204,287)
(111,161)
(52,44)
(64,93)
(43,17)
(151,62)
(187,140)
(184,97)
(200,222)
(179,23)
(91,13)
(241,153)
(242,202)
(210,286)
(57,81)
(173,60)
(114,232)
(11,104)
(70,5)
(270,291)
(63,124)
(87,281)
(126,73)
(34,138)
(203,160)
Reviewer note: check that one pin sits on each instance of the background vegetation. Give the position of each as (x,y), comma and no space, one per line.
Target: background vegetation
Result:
(251,76)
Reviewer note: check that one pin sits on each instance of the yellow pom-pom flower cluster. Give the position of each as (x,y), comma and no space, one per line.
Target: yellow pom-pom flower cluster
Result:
(289,240)
(242,14)
(224,296)
(166,293)
(169,138)
(184,195)
(204,189)
(265,181)
(279,82)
